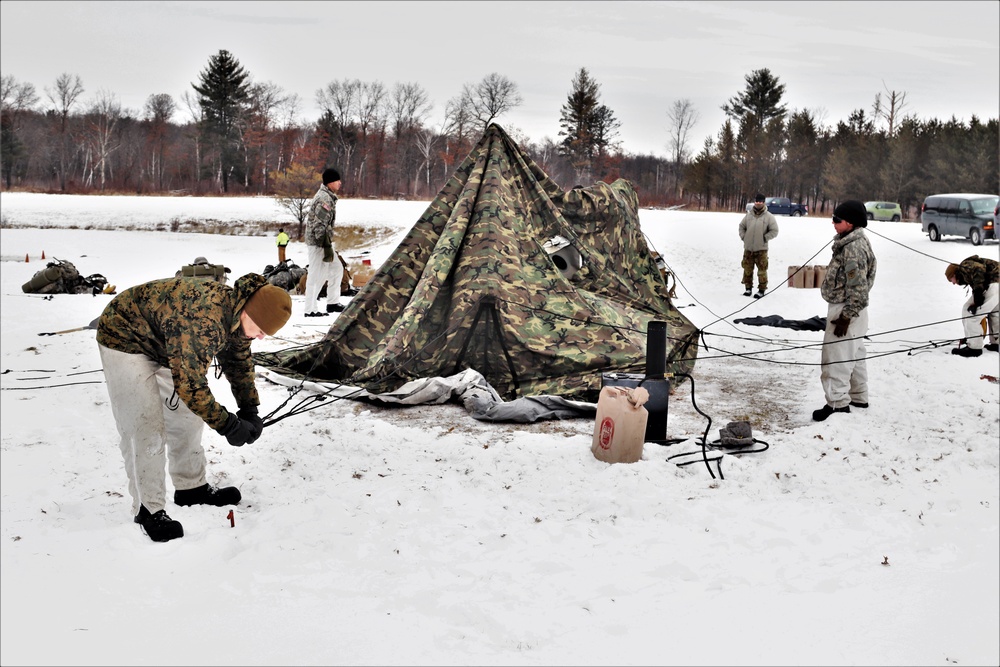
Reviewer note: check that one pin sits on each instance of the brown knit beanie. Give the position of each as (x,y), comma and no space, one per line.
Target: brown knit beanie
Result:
(949,273)
(269,308)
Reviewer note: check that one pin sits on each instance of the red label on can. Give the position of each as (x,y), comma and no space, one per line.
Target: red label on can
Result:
(607,433)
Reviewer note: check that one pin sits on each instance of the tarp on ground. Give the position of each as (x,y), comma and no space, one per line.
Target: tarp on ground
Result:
(474,285)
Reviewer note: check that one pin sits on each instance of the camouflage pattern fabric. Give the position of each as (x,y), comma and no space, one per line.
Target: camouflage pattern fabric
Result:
(978,273)
(182,324)
(851,272)
(471,286)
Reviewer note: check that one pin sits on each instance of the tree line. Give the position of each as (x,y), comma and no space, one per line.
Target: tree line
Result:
(231,134)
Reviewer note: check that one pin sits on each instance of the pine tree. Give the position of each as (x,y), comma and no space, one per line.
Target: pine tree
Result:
(588,126)
(761,99)
(759,115)
(223,94)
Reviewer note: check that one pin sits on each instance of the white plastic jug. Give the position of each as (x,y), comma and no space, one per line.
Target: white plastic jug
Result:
(620,425)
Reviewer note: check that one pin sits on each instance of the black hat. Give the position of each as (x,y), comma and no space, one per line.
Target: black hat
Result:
(759,197)
(330,175)
(853,212)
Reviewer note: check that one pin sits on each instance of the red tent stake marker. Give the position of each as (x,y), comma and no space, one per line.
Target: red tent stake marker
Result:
(232,519)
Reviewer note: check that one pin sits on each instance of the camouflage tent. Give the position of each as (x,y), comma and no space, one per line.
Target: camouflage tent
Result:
(475,285)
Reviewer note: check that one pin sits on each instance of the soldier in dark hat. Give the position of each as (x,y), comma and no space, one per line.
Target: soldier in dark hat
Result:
(324,267)
(849,279)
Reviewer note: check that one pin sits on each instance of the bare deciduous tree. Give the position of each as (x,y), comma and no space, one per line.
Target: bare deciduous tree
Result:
(15,99)
(105,112)
(426,141)
(158,111)
(64,96)
(16,96)
(891,111)
(682,117)
(265,104)
(489,99)
(408,107)
(294,190)
(340,102)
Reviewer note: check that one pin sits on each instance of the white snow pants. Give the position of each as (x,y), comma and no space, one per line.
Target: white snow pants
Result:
(320,272)
(844,373)
(152,422)
(973,323)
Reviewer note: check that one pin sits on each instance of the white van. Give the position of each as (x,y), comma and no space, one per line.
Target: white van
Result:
(959,214)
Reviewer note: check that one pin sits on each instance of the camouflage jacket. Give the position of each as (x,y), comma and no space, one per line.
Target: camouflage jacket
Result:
(851,273)
(182,324)
(757,230)
(978,273)
(321,218)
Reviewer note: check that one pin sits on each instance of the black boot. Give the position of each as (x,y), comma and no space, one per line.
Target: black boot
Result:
(966,352)
(208,495)
(334,308)
(992,347)
(159,526)
(827,410)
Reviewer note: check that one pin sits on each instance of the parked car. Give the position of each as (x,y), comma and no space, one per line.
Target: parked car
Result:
(884,210)
(785,206)
(960,214)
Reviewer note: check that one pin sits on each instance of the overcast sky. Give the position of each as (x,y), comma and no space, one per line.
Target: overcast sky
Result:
(833,57)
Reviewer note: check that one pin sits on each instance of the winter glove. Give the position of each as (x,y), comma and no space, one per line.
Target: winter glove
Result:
(328,254)
(840,326)
(249,415)
(978,299)
(237,431)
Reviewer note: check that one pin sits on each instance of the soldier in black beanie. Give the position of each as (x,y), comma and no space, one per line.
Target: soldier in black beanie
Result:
(324,265)
(849,279)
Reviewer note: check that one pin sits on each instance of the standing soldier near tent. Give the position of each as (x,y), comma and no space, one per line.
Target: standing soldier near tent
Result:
(849,279)
(757,227)
(983,276)
(324,267)
(282,242)
(157,341)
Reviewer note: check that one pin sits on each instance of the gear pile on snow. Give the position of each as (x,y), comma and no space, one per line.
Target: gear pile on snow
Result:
(62,277)
(285,275)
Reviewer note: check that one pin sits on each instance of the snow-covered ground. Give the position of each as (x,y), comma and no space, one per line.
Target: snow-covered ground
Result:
(419,535)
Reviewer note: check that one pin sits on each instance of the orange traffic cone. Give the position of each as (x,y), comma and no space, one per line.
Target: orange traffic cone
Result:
(43,254)
(25,258)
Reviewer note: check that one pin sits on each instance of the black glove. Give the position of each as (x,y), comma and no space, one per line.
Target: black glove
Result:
(973,308)
(249,415)
(328,254)
(840,326)
(237,431)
